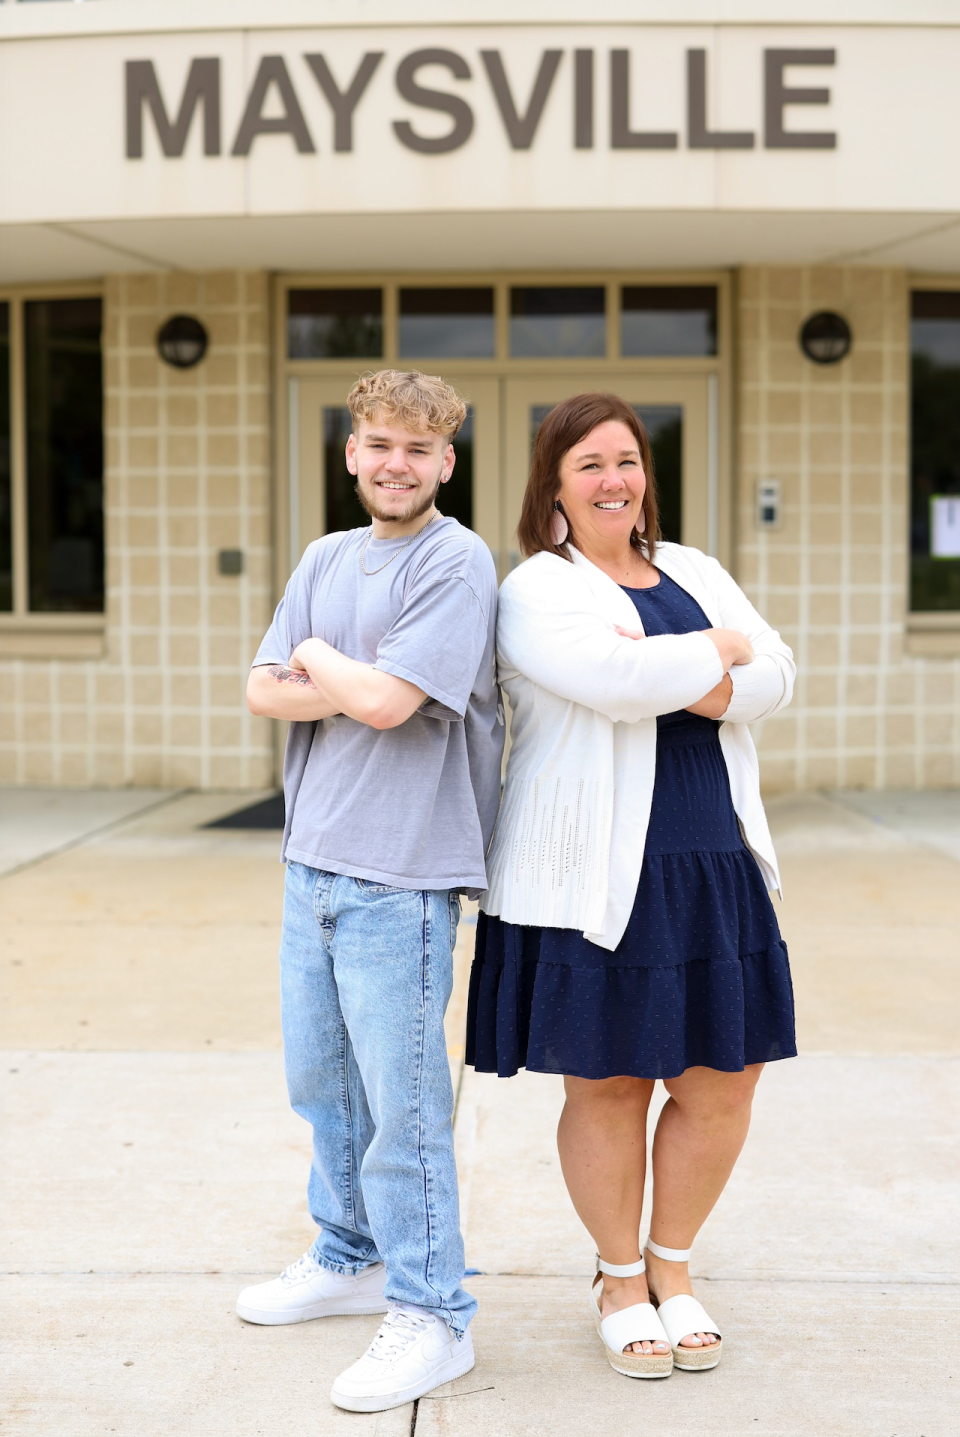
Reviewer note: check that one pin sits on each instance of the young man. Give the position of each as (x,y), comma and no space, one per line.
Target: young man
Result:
(382,654)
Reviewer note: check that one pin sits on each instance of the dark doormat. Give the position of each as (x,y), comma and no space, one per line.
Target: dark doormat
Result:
(269,813)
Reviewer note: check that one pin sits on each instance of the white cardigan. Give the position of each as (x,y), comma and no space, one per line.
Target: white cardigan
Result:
(569,840)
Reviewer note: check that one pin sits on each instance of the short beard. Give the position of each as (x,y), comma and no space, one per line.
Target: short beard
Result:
(419,504)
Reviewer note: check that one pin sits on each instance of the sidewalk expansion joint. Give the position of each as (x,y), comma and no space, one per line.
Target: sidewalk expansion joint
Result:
(447,1396)
(852,1279)
(83,838)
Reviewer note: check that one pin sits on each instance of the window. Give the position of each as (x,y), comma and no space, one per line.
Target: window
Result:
(935,451)
(447,323)
(664,320)
(664,426)
(343,508)
(558,321)
(64,430)
(416,320)
(335,324)
(51,457)
(456,498)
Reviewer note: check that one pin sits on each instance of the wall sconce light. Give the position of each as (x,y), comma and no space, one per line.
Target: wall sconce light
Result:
(826,337)
(182,341)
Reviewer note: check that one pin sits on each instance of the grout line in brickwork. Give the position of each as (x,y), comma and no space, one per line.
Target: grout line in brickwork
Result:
(803,544)
(846,426)
(203,565)
(889,717)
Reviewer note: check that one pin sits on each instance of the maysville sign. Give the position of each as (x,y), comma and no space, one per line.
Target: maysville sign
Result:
(272,105)
(431,119)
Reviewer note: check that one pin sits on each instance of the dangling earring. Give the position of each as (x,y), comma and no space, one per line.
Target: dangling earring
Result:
(559,528)
(641,522)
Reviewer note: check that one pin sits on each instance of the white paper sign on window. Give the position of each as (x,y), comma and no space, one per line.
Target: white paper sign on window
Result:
(945,526)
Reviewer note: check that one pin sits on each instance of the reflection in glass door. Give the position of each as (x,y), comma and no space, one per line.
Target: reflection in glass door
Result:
(342,508)
(664,426)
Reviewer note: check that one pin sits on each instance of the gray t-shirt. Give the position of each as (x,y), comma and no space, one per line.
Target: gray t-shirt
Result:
(412,806)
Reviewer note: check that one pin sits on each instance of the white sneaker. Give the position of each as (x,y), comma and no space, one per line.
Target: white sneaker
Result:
(410,1355)
(306,1290)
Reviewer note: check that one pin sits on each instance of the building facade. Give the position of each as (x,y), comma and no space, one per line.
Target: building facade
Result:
(745,219)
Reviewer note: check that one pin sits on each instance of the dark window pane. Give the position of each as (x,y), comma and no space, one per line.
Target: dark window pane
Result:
(664,426)
(456,498)
(447,323)
(668,319)
(343,509)
(935,304)
(64,384)
(935,451)
(335,324)
(6,533)
(538,413)
(558,322)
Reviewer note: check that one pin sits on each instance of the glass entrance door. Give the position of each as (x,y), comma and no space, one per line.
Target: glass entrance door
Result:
(493,454)
(322,497)
(679,413)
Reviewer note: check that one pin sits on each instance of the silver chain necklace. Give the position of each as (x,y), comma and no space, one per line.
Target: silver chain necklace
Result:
(370,572)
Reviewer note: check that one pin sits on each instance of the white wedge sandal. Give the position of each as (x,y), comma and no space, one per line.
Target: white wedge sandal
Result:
(638,1323)
(682,1316)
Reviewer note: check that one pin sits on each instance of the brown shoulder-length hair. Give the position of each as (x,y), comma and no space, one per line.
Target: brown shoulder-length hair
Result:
(565,425)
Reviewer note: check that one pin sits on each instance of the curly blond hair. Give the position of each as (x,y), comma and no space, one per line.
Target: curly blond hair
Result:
(421,402)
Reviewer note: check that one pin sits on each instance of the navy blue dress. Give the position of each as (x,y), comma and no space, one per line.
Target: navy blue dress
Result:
(700,978)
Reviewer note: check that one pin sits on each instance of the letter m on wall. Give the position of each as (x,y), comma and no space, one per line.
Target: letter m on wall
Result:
(203,83)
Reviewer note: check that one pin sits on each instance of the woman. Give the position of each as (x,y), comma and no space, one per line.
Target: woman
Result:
(627,933)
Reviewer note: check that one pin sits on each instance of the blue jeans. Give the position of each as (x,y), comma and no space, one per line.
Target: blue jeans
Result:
(366,972)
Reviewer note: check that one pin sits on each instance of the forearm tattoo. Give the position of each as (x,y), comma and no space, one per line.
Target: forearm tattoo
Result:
(283,675)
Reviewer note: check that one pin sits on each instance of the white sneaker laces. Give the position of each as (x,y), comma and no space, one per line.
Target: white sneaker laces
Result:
(397,1331)
(304,1266)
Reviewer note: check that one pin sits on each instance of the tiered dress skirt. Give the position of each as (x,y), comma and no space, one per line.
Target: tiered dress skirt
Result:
(701,976)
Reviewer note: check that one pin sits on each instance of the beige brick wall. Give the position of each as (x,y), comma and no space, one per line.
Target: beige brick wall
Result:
(833,578)
(187,473)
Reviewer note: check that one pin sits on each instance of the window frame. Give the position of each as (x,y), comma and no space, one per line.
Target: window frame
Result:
(24,634)
(930,633)
(501,282)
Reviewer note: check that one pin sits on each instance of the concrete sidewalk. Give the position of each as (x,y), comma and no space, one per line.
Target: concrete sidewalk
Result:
(151,1166)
